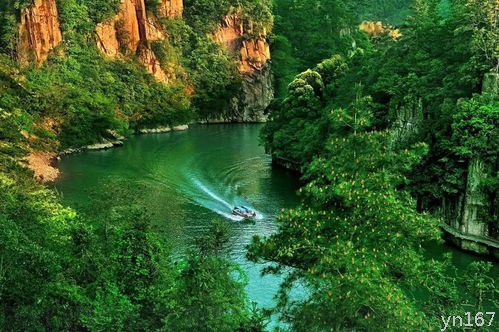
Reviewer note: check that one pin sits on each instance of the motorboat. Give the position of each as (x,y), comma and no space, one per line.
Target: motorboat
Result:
(243,211)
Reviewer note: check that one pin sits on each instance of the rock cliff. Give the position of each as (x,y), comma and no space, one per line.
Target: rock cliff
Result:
(469,214)
(170,8)
(133,30)
(253,52)
(39,32)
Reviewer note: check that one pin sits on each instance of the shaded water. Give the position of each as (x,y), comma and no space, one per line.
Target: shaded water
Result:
(191,178)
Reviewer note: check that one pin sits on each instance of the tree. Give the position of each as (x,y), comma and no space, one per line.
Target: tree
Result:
(481,18)
(36,292)
(356,240)
(210,294)
(293,133)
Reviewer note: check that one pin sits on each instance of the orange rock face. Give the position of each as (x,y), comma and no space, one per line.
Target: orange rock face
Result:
(132,30)
(254,53)
(254,56)
(107,42)
(39,31)
(120,31)
(171,8)
(149,60)
(230,33)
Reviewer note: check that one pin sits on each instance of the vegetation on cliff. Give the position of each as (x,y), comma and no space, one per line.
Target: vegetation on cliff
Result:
(88,95)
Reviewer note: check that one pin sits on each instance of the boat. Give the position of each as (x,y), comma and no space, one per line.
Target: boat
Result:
(243,211)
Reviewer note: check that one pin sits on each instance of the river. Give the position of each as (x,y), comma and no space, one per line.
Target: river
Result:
(190,179)
(194,177)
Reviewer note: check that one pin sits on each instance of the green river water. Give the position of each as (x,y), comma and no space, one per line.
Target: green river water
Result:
(191,178)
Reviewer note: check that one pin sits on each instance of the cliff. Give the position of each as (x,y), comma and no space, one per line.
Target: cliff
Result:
(253,52)
(133,30)
(39,32)
(170,8)
(473,210)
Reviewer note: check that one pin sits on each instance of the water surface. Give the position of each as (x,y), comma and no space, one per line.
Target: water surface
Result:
(190,179)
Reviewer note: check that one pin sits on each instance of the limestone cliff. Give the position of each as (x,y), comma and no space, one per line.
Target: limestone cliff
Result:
(253,52)
(39,32)
(133,30)
(407,126)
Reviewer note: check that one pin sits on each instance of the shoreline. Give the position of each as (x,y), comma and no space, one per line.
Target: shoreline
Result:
(43,163)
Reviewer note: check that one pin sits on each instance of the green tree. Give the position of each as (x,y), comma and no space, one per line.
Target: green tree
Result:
(356,240)
(210,294)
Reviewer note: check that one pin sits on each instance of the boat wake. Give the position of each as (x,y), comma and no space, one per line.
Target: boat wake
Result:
(209,199)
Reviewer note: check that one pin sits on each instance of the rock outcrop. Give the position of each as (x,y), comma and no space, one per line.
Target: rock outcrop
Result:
(170,8)
(39,32)
(133,30)
(407,126)
(253,51)
(470,214)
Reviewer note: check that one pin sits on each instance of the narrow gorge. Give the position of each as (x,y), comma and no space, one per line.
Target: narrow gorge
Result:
(249,165)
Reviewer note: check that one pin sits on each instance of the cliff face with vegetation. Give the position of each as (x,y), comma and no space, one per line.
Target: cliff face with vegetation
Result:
(98,70)
(88,73)
(133,30)
(472,214)
(39,31)
(434,81)
(253,53)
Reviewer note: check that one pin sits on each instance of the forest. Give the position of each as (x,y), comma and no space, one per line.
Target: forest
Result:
(392,128)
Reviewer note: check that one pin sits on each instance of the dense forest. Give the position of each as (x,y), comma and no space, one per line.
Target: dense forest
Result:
(392,128)
(385,132)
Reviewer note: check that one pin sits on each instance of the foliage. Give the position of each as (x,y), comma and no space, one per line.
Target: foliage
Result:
(211,289)
(34,232)
(100,10)
(357,240)
(352,204)
(211,71)
(481,286)
(481,18)
(204,15)
(392,12)
(299,123)
(214,76)
(474,129)
(307,32)
(293,132)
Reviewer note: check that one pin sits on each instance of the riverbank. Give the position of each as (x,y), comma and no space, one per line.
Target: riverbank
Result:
(44,164)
